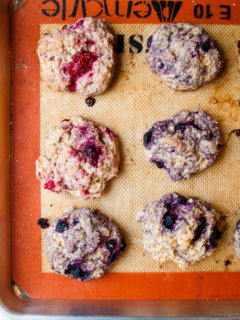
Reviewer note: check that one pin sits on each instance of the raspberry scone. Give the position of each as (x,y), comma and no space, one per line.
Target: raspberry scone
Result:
(179,229)
(82,244)
(183,145)
(184,56)
(79,58)
(81,157)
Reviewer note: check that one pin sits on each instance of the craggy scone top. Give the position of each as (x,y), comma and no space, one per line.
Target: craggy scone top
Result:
(80,158)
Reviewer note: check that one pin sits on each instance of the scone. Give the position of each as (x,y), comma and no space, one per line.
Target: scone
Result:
(236,239)
(79,58)
(81,157)
(180,230)
(183,145)
(184,56)
(82,244)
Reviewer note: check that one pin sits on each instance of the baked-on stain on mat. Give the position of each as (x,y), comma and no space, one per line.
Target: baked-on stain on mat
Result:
(26,205)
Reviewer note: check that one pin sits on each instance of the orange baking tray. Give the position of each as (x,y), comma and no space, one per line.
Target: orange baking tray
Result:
(25,196)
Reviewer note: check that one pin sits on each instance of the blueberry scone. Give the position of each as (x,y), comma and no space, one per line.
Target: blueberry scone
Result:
(238,57)
(183,145)
(82,244)
(79,58)
(81,157)
(184,56)
(180,230)
(236,238)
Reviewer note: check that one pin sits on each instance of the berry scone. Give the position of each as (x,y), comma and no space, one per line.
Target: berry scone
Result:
(81,157)
(79,58)
(184,56)
(238,57)
(82,244)
(236,239)
(180,230)
(183,145)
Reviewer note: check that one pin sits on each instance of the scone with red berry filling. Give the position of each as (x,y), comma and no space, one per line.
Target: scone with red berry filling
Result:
(81,157)
(79,58)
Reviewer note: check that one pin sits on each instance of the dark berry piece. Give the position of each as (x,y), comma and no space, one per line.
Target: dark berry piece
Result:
(123,245)
(168,205)
(89,150)
(111,245)
(200,228)
(147,137)
(238,45)
(214,237)
(160,164)
(75,221)
(169,220)
(149,41)
(77,273)
(206,46)
(182,200)
(179,126)
(111,258)
(43,223)
(90,101)
(46,33)
(61,226)
(227,262)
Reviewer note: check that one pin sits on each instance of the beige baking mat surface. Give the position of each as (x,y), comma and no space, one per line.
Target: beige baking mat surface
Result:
(135,100)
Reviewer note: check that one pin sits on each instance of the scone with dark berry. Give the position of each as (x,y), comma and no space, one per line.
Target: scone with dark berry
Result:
(236,239)
(82,244)
(181,230)
(79,58)
(183,145)
(184,56)
(80,158)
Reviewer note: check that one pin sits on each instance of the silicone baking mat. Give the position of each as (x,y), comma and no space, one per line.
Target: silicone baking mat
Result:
(135,100)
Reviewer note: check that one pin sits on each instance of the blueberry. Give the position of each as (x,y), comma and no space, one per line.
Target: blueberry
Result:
(149,41)
(123,245)
(227,262)
(89,150)
(206,46)
(61,226)
(160,164)
(179,126)
(182,200)
(200,228)
(43,223)
(111,244)
(111,258)
(77,273)
(168,205)
(90,101)
(147,137)
(75,221)
(238,45)
(214,237)
(169,220)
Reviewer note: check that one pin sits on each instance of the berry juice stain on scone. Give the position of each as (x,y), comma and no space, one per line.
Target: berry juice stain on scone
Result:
(181,230)
(183,145)
(184,56)
(82,244)
(236,239)
(81,157)
(79,58)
